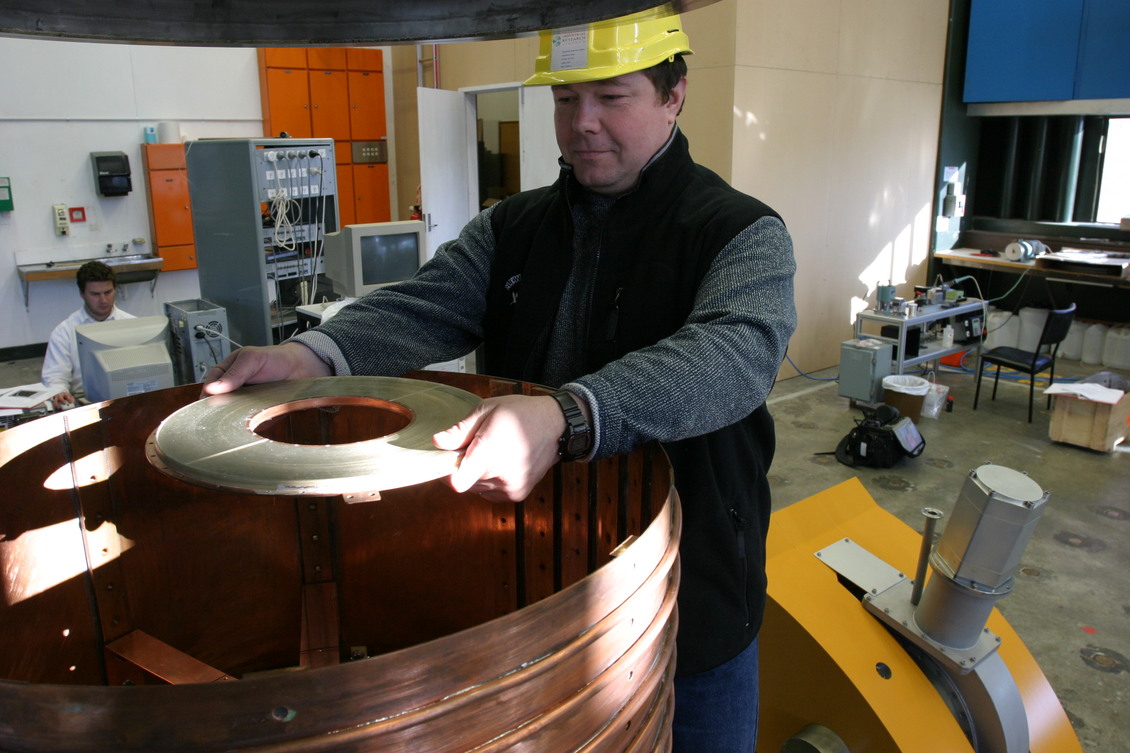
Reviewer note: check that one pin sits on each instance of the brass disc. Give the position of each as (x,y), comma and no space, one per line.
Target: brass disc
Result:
(213,441)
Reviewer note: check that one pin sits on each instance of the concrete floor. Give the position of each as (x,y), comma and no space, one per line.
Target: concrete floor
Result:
(1071,602)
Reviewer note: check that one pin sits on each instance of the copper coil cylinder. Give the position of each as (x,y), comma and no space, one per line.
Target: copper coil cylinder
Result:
(143,613)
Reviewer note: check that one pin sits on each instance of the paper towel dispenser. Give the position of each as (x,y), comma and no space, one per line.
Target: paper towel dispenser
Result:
(111,173)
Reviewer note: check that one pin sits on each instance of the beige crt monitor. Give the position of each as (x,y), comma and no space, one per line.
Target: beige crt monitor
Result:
(363,258)
(124,357)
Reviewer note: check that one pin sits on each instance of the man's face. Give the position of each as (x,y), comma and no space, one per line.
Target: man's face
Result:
(608,130)
(99,298)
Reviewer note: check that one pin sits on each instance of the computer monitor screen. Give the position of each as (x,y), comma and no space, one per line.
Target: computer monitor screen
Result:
(362,258)
(124,357)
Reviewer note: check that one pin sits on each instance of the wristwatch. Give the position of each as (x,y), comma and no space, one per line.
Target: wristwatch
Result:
(576,442)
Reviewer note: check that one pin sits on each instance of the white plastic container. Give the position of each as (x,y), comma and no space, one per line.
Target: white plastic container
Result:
(1031,327)
(1003,330)
(1093,342)
(1072,345)
(1116,348)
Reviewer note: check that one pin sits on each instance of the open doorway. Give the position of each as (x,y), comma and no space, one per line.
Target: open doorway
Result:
(498,133)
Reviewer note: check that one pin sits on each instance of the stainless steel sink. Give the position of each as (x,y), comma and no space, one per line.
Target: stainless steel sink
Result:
(127,268)
(114,261)
(74,264)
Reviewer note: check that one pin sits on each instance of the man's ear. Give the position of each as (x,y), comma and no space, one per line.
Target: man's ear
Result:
(677,98)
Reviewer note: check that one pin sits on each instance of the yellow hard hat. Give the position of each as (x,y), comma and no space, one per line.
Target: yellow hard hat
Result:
(605,49)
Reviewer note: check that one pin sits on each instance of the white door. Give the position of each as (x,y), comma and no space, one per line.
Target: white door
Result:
(448,194)
(538,146)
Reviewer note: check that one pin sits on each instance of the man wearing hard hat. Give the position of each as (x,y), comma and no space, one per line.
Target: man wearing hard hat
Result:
(658,300)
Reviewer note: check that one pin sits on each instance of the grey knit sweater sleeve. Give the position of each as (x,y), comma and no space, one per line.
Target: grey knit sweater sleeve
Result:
(436,316)
(713,371)
(719,366)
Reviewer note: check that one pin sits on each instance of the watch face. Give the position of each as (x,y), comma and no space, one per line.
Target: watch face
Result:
(578,444)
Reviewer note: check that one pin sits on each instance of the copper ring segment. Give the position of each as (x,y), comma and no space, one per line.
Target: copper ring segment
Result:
(144,613)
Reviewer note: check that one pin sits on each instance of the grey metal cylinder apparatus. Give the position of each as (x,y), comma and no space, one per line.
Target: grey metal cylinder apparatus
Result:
(975,561)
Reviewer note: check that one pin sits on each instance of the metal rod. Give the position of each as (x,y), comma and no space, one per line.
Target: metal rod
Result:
(932,516)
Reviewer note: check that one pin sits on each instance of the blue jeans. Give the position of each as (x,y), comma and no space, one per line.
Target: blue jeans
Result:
(716,711)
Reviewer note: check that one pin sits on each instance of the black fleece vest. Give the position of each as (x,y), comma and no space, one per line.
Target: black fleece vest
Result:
(657,244)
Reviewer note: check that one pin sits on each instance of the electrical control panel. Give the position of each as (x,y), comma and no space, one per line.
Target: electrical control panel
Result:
(261,208)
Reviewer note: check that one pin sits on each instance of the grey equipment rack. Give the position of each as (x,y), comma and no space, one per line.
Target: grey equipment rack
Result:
(243,251)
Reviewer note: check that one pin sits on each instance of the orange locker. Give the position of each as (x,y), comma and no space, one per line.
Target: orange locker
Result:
(370,186)
(286,103)
(329,105)
(333,58)
(170,211)
(364,59)
(367,106)
(346,204)
(283,57)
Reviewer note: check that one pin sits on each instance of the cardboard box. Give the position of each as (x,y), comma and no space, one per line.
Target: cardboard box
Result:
(1099,426)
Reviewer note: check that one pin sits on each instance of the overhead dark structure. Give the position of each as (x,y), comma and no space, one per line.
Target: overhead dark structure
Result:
(255,23)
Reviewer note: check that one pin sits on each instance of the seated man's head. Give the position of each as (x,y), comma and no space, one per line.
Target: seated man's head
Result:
(97,283)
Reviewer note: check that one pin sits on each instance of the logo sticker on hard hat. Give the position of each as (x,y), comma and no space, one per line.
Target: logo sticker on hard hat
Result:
(570,49)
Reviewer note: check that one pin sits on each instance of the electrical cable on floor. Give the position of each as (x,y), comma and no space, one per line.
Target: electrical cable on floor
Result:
(807,376)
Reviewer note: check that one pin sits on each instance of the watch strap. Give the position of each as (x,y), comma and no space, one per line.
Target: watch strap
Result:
(576,442)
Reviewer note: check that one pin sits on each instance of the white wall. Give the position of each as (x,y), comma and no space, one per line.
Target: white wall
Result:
(833,110)
(63,100)
(837,107)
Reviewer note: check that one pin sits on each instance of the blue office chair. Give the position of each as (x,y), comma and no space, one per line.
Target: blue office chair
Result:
(1030,362)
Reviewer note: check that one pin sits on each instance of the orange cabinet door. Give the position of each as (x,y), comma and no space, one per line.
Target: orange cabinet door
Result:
(332,58)
(370,186)
(346,203)
(283,57)
(329,105)
(177,258)
(367,106)
(163,156)
(364,59)
(287,103)
(172,213)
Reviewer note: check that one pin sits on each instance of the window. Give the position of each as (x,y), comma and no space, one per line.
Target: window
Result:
(1114,185)
(1052,168)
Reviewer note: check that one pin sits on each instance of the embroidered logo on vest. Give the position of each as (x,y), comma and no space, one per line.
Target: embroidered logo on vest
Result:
(512,287)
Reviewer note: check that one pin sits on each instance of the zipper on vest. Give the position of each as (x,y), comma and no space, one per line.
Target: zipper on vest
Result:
(739,524)
(614,316)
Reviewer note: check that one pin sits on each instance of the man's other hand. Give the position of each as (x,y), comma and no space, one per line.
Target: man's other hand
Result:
(509,443)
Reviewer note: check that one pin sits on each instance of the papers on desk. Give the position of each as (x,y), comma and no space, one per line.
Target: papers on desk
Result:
(1087,391)
(25,396)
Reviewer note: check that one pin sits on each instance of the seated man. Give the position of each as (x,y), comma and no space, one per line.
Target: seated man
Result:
(96,283)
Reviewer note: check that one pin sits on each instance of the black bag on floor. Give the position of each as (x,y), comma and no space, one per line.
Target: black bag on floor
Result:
(880,440)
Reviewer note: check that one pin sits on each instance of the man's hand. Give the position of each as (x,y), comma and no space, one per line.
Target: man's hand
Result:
(63,400)
(255,365)
(510,442)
